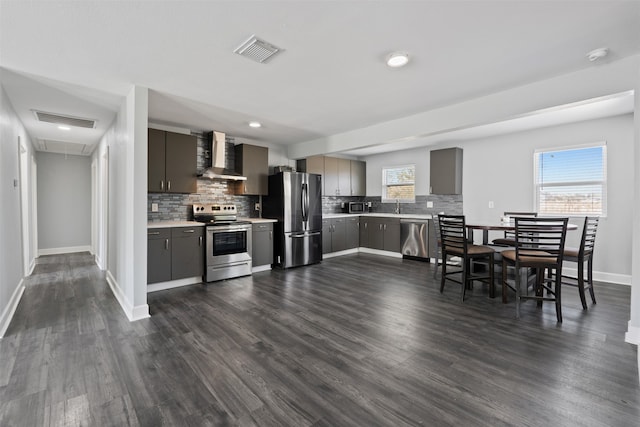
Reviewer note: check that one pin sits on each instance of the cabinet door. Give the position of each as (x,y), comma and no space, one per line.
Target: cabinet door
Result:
(364,232)
(330,177)
(327,231)
(315,164)
(358,178)
(446,171)
(181,163)
(158,255)
(344,177)
(391,229)
(253,162)
(262,244)
(156,160)
(187,252)
(339,235)
(376,233)
(353,233)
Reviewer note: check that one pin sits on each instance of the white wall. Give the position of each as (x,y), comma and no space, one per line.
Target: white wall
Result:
(500,169)
(64,203)
(11,253)
(125,144)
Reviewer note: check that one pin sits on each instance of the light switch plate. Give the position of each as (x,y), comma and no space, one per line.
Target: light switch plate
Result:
(429,204)
(154,207)
(491,205)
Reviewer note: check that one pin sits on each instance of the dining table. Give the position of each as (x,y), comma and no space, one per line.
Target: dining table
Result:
(497,226)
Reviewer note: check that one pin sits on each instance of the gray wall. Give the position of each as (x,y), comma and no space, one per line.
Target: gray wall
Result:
(64,201)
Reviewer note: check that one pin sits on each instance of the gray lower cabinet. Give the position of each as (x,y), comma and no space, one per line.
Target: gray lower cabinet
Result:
(334,237)
(365,224)
(262,244)
(383,234)
(353,232)
(158,255)
(174,253)
(187,252)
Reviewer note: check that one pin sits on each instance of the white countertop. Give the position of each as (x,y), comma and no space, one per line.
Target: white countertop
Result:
(381,215)
(171,224)
(257,220)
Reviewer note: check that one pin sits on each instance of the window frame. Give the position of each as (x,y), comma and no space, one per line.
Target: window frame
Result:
(603,183)
(384,198)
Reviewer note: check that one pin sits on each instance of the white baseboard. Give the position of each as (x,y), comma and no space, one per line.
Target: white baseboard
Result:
(259,268)
(99,263)
(10,309)
(340,253)
(132,313)
(67,250)
(161,286)
(32,266)
(601,276)
(633,334)
(379,252)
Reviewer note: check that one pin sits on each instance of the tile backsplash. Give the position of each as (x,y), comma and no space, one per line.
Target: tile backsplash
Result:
(451,204)
(177,207)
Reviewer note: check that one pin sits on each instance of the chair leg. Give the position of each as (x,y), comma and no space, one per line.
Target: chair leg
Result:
(435,271)
(504,281)
(590,277)
(443,274)
(558,288)
(465,274)
(517,293)
(581,283)
(539,291)
(492,285)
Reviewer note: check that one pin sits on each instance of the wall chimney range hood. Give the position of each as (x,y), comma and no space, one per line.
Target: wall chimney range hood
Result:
(218,148)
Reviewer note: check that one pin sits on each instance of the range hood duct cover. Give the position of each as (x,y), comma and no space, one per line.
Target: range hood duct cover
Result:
(218,148)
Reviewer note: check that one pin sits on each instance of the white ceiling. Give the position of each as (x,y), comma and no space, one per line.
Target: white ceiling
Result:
(81,58)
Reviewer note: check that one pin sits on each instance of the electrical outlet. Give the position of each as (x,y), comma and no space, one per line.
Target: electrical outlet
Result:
(257,206)
(429,204)
(491,204)
(154,207)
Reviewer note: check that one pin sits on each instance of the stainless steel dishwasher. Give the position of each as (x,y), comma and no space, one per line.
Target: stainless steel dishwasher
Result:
(414,236)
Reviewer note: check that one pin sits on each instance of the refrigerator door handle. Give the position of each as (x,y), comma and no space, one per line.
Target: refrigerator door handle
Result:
(302,235)
(305,202)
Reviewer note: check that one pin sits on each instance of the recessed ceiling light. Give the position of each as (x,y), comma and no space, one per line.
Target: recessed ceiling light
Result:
(255,124)
(596,54)
(397,59)
(64,128)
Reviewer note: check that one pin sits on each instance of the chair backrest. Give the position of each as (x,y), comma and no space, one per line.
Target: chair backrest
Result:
(453,233)
(540,241)
(511,234)
(588,235)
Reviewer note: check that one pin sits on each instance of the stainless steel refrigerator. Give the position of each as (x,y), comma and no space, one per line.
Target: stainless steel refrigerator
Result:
(295,200)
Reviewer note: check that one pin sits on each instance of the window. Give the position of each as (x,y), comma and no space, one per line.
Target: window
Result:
(571,181)
(398,183)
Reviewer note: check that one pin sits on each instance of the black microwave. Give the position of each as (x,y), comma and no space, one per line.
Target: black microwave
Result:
(357,207)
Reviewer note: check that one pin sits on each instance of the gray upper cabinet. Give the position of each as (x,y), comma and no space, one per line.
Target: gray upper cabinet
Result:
(446,171)
(340,177)
(253,162)
(358,178)
(172,162)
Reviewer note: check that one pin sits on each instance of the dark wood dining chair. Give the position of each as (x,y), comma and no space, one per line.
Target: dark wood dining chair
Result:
(509,236)
(539,244)
(453,238)
(582,255)
(438,242)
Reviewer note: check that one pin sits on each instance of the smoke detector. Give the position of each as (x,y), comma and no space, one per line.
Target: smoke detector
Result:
(596,54)
(256,49)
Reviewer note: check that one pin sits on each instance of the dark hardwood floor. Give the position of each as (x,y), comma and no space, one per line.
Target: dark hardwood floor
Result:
(358,340)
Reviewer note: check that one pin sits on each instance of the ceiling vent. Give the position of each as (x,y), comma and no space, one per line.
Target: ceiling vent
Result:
(257,50)
(63,147)
(59,119)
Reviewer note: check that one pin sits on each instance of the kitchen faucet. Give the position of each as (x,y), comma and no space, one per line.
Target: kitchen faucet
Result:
(397,211)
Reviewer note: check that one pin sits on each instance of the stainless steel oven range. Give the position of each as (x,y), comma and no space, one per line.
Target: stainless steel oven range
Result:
(227,242)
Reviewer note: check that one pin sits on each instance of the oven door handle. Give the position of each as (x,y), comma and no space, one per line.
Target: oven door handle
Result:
(302,235)
(227,228)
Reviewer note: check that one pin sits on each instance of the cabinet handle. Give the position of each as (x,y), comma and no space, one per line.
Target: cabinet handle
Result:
(379,226)
(166,244)
(168,185)
(365,225)
(153,233)
(385,226)
(270,235)
(245,188)
(200,241)
(161,185)
(188,231)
